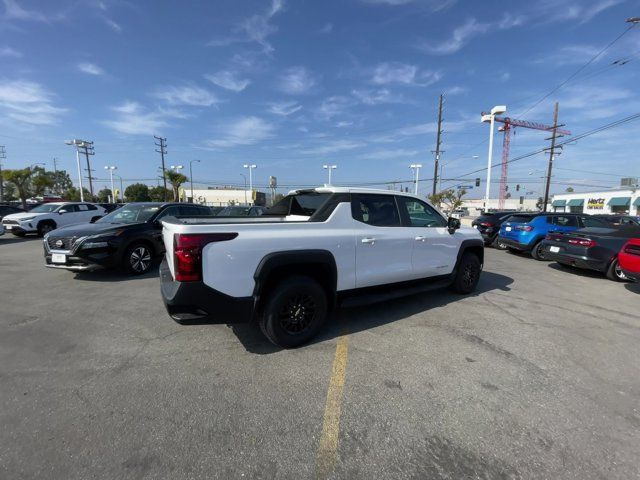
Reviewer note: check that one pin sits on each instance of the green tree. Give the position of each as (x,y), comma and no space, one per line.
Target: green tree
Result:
(569,190)
(40,182)
(448,200)
(176,179)
(540,203)
(21,180)
(137,192)
(73,194)
(159,194)
(104,195)
(61,181)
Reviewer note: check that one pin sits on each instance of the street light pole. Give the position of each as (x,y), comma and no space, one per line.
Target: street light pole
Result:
(245,187)
(191,177)
(250,167)
(416,167)
(330,168)
(491,117)
(77,143)
(111,168)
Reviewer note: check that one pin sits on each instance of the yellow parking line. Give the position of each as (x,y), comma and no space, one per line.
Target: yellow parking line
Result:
(328,448)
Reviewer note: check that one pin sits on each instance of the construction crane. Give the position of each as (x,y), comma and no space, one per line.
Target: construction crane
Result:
(508,125)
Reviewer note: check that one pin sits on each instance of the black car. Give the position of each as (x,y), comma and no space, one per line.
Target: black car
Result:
(110,207)
(591,248)
(8,210)
(488,224)
(619,220)
(129,238)
(236,211)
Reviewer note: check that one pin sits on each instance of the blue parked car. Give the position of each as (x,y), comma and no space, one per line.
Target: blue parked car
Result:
(524,232)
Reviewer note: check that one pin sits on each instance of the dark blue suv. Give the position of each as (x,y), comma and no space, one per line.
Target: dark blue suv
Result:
(524,232)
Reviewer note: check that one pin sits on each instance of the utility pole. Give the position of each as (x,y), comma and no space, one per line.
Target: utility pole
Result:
(87,149)
(438,141)
(3,155)
(55,175)
(551,154)
(162,143)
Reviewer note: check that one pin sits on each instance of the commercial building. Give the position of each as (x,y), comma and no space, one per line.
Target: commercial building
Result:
(220,197)
(475,206)
(620,201)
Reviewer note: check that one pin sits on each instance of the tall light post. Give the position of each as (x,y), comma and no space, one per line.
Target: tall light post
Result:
(111,168)
(121,189)
(78,143)
(250,167)
(330,168)
(491,118)
(191,177)
(245,187)
(416,167)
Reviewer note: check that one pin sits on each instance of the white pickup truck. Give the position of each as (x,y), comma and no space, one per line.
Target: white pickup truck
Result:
(313,251)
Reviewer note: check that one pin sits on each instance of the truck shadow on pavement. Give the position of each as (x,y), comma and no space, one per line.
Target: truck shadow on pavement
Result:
(357,319)
(116,275)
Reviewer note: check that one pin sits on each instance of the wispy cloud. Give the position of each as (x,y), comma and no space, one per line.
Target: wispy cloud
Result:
(297,81)
(244,131)
(333,106)
(112,25)
(376,96)
(28,102)
(189,95)
(90,68)
(387,73)
(581,11)
(434,5)
(569,55)
(9,52)
(333,146)
(131,118)
(13,11)
(327,28)
(257,28)
(228,80)
(470,29)
(284,108)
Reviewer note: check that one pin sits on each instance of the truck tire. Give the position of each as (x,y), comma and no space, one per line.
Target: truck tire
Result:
(293,312)
(45,227)
(614,272)
(467,274)
(137,259)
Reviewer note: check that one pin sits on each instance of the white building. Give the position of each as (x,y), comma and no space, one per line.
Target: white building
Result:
(221,197)
(621,201)
(475,206)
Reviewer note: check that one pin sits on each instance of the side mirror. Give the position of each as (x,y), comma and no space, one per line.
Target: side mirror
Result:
(60,212)
(453,224)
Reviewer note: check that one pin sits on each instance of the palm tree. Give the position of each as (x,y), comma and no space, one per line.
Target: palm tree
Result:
(176,180)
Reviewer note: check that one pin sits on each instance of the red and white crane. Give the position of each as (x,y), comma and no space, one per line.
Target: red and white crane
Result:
(508,125)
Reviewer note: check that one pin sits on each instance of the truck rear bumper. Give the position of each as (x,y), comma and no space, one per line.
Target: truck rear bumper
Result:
(195,301)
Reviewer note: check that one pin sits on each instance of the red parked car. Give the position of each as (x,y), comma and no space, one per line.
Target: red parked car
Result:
(629,259)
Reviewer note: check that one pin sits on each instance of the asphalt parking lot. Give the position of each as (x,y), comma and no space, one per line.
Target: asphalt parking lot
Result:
(535,376)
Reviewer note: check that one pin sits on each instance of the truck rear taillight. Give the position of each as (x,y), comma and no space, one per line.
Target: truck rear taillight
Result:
(523,228)
(632,249)
(583,242)
(187,253)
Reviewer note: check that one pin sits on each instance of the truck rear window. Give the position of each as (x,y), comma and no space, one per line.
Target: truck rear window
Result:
(299,204)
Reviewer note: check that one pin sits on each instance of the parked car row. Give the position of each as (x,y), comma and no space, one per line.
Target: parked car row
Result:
(609,244)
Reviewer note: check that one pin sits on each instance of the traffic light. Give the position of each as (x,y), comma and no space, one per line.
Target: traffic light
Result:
(506,188)
(477,181)
(517,187)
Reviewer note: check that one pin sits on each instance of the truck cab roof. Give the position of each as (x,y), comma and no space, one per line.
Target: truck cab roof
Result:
(334,189)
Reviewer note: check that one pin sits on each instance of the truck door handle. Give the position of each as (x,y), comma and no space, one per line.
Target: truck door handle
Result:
(368,240)
(420,239)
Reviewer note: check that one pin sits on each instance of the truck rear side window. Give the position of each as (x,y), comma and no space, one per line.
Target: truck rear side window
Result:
(376,210)
(304,204)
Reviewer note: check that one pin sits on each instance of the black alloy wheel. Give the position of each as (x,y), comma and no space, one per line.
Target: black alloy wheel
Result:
(138,259)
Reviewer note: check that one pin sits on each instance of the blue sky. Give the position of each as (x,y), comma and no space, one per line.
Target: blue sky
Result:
(290,85)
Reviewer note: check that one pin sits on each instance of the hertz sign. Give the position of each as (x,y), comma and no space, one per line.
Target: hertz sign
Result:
(595,203)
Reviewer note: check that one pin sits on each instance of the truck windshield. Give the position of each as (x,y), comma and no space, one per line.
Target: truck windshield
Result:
(305,203)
